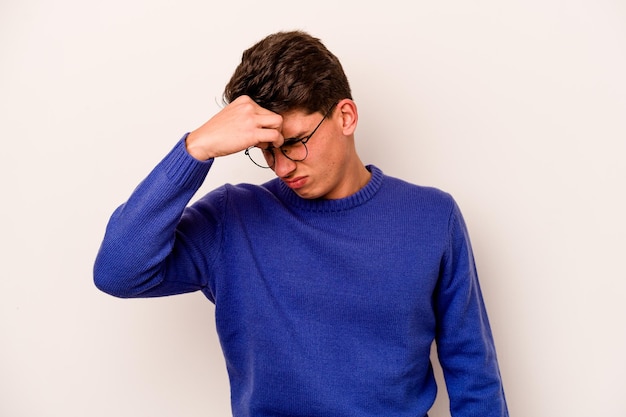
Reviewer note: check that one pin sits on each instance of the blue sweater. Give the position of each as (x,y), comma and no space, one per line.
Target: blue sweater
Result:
(323,307)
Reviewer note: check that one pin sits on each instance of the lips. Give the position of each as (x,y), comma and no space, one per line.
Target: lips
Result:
(295,183)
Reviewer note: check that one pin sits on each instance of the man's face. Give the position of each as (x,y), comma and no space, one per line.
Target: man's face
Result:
(324,172)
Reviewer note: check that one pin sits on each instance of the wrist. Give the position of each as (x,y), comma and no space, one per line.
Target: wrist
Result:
(192,144)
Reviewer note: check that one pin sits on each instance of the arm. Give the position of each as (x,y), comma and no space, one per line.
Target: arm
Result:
(151,243)
(464,340)
(137,252)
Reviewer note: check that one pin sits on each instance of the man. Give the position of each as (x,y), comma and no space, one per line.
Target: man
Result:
(331,281)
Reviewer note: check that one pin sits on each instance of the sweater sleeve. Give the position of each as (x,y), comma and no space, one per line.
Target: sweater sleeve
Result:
(465,343)
(144,253)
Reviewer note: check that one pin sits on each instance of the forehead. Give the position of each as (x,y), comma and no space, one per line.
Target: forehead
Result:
(296,113)
(298,123)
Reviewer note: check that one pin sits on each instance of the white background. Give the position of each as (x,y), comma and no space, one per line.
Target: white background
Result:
(517,108)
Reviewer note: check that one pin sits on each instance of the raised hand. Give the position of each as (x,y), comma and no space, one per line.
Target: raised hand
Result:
(239,125)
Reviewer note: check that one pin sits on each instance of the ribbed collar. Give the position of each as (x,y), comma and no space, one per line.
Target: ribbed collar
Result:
(289,197)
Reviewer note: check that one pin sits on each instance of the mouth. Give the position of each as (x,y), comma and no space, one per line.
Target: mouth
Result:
(295,183)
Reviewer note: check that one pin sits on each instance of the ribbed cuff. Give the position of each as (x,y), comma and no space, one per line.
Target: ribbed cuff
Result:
(184,169)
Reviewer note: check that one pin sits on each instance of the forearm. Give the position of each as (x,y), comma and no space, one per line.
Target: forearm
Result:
(468,358)
(465,342)
(140,236)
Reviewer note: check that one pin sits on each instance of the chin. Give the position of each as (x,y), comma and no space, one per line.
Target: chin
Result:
(309,194)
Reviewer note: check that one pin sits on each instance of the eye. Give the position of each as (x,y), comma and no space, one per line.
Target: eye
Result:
(292,142)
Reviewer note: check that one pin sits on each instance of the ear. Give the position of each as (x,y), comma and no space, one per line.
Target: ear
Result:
(348,115)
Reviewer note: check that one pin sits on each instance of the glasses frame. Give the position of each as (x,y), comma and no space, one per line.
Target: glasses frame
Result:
(289,142)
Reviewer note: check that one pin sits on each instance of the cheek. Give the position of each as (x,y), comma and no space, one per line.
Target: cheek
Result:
(327,155)
(323,164)
(326,152)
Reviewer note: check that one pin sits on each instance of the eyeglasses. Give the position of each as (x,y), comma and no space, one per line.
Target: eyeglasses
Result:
(294,149)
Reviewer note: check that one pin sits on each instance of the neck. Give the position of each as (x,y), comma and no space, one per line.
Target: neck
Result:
(357,177)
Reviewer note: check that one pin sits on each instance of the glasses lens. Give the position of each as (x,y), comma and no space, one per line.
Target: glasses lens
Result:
(295,151)
(262,158)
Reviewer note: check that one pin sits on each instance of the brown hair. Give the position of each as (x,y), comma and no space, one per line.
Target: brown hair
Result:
(289,71)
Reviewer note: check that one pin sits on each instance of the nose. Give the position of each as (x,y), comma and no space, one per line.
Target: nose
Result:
(283,166)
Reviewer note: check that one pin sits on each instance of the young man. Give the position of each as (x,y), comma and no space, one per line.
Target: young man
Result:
(331,281)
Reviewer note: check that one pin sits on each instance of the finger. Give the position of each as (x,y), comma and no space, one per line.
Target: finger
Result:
(270,121)
(266,136)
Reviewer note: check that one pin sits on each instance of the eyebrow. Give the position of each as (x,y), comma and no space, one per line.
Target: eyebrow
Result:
(288,141)
(294,139)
